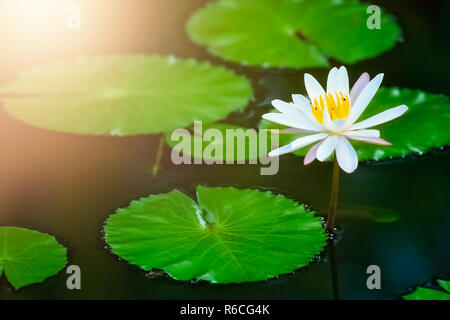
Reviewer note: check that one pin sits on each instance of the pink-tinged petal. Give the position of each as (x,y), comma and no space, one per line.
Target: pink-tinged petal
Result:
(359,85)
(370,133)
(311,155)
(364,99)
(378,141)
(327,148)
(313,87)
(297,144)
(380,118)
(346,155)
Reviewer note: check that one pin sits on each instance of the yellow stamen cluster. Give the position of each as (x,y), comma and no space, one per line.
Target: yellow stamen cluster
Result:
(338,106)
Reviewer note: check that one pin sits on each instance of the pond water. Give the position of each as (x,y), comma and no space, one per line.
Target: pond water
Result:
(67,185)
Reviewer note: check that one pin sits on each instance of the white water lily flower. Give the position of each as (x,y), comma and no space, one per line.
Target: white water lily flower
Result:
(329,118)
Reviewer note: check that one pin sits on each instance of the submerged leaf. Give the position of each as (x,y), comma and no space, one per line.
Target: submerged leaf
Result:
(28,256)
(291,33)
(124,94)
(220,143)
(430,294)
(423,127)
(379,215)
(231,235)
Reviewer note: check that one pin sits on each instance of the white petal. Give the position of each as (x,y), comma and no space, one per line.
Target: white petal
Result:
(379,141)
(301,101)
(346,155)
(380,118)
(359,85)
(332,126)
(299,122)
(363,133)
(332,81)
(327,148)
(288,109)
(342,81)
(297,144)
(304,105)
(338,125)
(311,155)
(364,99)
(313,87)
(294,131)
(327,119)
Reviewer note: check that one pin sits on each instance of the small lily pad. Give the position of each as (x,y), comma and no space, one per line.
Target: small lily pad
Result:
(423,127)
(124,94)
(291,33)
(430,294)
(241,143)
(230,235)
(28,256)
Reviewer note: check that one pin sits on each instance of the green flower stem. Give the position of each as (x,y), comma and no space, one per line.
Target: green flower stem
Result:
(334,196)
(159,152)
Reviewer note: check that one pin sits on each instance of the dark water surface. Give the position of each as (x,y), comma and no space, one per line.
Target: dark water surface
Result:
(67,185)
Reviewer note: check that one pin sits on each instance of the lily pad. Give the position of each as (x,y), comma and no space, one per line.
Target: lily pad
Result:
(291,33)
(242,143)
(28,256)
(423,127)
(124,94)
(230,235)
(430,294)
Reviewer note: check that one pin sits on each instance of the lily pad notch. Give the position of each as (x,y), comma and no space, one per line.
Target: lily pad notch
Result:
(230,236)
(291,33)
(28,256)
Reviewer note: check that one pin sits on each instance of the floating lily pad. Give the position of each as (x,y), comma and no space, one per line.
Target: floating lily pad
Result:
(242,143)
(124,94)
(230,235)
(430,294)
(291,33)
(423,127)
(28,256)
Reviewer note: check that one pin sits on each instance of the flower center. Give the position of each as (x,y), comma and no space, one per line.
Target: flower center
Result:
(338,106)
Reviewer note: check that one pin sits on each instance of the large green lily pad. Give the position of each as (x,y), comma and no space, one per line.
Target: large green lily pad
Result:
(124,94)
(430,294)
(28,256)
(230,235)
(291,33)
(423,127)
